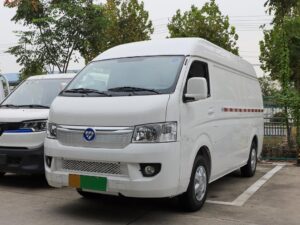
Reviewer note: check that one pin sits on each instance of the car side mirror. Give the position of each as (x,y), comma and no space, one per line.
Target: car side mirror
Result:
(196,89)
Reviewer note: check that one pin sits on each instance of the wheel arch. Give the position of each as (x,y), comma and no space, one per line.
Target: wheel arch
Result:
(255,139)
(204,147)
(257,136)
(205,153)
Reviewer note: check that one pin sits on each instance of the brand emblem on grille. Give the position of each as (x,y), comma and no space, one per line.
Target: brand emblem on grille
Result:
(89,134)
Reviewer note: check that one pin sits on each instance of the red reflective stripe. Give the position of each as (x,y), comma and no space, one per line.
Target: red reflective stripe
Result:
(225,109)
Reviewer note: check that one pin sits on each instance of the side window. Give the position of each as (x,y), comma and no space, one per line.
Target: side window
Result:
(199,69)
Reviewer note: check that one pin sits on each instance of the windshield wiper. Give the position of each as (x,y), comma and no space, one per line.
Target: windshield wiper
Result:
(34,106)
(86,91)
(9,106)
(132,89)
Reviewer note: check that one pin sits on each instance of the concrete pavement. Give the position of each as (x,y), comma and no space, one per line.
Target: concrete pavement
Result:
(28,200)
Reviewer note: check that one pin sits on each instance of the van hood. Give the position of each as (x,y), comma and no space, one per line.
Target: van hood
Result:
(109,111)
(20,115)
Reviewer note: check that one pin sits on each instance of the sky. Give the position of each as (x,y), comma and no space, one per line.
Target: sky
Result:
(245,15)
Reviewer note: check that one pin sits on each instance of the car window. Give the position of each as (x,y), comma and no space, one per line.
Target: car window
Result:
(36,92)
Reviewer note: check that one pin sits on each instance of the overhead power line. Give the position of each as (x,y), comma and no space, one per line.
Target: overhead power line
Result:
(239,16)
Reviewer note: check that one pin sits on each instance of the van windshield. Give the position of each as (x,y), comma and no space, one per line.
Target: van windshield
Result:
(37,93)
(127,76)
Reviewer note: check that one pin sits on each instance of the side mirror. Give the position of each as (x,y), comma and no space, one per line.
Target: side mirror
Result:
(196,89)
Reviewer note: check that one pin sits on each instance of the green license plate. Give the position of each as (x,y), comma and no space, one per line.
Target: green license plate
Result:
(88,182)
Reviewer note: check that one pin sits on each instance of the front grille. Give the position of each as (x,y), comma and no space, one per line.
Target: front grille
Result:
(93,167)
(9,126)
(116,138)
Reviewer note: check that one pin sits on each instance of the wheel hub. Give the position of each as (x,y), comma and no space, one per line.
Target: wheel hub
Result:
(200,183)
(253,159)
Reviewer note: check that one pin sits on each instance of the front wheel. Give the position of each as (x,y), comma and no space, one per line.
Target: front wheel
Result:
(250,168)
(195,196)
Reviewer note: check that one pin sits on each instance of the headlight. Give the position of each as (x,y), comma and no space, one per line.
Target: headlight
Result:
(155,133)
(35,126)
(51,130)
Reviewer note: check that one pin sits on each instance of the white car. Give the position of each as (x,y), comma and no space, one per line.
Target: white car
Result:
(4,88)
(23,116)
(156,119)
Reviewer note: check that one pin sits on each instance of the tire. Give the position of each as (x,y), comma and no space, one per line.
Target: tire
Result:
(88,195)
(250,168)
(2,174)
(192,201)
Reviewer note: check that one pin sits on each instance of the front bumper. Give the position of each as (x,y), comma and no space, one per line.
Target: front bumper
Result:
(132,183)
(22,160)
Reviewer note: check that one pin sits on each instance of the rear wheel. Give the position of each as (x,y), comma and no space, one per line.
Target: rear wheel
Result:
(195,196)
(88,195)
(250,168)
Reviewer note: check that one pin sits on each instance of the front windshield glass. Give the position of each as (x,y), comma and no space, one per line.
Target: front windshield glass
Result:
(35,93)
(128,76)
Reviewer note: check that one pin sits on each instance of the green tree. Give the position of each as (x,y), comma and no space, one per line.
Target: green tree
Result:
(56,30)
(128,21)
(206,22)
(134,22)
(33,64)
(268,86)
(282,8)
(280,55)
(61,27)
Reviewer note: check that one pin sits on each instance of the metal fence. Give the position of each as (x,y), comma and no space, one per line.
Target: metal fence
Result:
(274,120)
(275,129)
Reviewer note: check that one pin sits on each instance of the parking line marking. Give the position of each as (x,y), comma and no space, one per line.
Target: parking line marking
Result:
(243,198)
(219,202)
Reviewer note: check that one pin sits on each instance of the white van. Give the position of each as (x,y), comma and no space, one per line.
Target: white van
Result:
(156,119)
(23,116)
(4,88)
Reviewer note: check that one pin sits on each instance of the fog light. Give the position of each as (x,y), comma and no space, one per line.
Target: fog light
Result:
(48,160)
(151,169)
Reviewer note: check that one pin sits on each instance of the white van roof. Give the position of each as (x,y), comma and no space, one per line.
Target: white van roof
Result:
(53,76)
(180,46)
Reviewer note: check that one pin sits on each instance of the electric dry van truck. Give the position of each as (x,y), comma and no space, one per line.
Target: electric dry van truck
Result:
(156,119)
